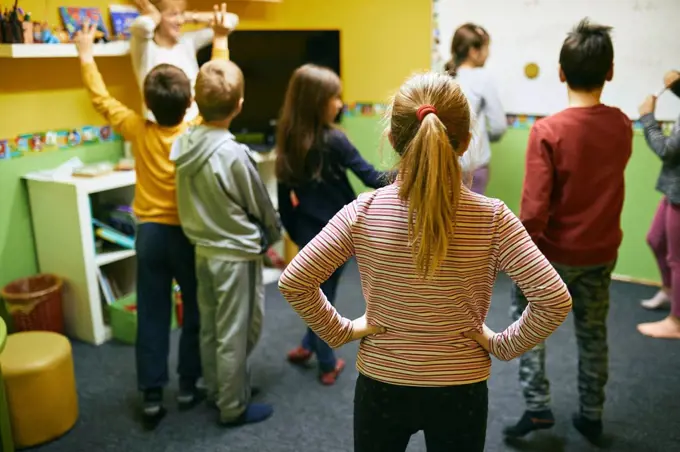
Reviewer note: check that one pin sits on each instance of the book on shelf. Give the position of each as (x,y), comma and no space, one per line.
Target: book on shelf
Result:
(105,285)
(112,235)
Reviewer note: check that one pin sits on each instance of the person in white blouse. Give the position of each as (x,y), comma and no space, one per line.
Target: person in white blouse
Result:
(469,51)
(157,38)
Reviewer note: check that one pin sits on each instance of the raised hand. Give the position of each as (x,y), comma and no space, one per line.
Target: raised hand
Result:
(84,41)
(146,8)
(670,78)
(220,23)
(648,106)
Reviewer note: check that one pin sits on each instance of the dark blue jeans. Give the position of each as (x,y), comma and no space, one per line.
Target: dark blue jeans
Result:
(324,353)
(163,254)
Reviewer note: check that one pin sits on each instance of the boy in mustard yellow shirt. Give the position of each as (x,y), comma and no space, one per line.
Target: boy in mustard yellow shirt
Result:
(163,251)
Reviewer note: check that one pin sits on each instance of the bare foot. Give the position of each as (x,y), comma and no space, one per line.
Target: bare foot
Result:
(661,300)
(668,328)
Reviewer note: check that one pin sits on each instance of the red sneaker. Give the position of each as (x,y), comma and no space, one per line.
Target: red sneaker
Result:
(299,355)
(329,378)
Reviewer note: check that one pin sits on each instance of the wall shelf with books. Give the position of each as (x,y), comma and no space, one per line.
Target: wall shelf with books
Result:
(111,49)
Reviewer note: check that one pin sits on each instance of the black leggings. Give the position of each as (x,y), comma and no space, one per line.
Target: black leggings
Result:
(453,418)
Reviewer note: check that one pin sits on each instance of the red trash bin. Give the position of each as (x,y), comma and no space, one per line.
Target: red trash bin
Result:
(35,303)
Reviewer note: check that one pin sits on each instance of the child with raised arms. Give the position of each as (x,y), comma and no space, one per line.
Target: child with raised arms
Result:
(664,235)
(157,38)
(163,251)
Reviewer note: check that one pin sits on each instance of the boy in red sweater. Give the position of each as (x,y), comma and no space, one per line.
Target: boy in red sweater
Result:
(571,206)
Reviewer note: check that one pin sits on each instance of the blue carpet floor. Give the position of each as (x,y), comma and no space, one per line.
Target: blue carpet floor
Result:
(642,412)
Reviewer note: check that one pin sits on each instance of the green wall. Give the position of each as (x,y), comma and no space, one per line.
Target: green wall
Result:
(507,174)
(17,251)
(635,258)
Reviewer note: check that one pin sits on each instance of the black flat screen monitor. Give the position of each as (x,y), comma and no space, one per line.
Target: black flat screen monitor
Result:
(268,59)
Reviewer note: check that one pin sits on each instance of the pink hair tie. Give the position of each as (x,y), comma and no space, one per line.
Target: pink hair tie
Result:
(425,110)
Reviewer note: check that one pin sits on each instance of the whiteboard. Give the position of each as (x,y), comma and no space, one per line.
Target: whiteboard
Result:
(646,45)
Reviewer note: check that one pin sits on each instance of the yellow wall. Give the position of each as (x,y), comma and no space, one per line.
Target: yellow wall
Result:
(383,41)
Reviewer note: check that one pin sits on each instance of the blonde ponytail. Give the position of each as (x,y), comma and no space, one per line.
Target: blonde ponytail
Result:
(430,130)
(430,181)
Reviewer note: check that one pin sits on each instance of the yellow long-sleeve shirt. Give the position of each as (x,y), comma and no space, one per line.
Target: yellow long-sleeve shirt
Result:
(155,198)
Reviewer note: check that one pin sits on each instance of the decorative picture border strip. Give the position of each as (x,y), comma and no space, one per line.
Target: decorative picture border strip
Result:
(30,144)
(364,109)
(33,144)
(515,121)
(437,61)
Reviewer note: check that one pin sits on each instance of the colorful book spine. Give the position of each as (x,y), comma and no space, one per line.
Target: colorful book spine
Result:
(121,19)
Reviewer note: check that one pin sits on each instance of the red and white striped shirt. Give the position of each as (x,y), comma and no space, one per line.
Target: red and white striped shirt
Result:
(425,320)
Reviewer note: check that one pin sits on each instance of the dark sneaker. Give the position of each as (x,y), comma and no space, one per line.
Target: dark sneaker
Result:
(530,421)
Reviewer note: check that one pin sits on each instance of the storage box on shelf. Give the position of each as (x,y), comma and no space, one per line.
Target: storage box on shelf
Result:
(61,212)
(123,316)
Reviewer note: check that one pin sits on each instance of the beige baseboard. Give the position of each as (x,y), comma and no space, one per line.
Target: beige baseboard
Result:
(630,279)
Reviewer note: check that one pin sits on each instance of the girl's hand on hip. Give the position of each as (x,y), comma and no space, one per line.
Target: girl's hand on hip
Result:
(483,338)
(361,329)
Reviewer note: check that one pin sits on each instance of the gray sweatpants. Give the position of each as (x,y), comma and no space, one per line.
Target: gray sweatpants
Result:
(231,306)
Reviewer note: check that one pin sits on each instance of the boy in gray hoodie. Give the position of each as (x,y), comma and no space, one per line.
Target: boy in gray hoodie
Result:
(225,210)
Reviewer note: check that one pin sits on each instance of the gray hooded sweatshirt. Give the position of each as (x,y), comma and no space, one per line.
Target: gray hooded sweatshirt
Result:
(224,207)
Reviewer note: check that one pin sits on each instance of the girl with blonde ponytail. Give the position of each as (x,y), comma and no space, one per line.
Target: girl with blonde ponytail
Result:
(428,251)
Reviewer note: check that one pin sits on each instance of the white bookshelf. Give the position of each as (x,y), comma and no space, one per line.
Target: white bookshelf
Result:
(61,214)
(65,245)
(110,49)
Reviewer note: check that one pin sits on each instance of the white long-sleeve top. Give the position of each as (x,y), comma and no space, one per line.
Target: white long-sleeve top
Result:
(485,103)
(146,54)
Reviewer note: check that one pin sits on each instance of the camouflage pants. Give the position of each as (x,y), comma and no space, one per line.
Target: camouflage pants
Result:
(589,288)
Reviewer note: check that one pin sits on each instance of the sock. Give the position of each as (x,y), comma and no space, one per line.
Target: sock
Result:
(530,421)
(255,412)
(659,300)
(254,392)
(591,429)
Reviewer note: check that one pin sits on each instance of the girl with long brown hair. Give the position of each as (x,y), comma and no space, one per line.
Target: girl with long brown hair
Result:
(312,160)
(428,251)
(469,52)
